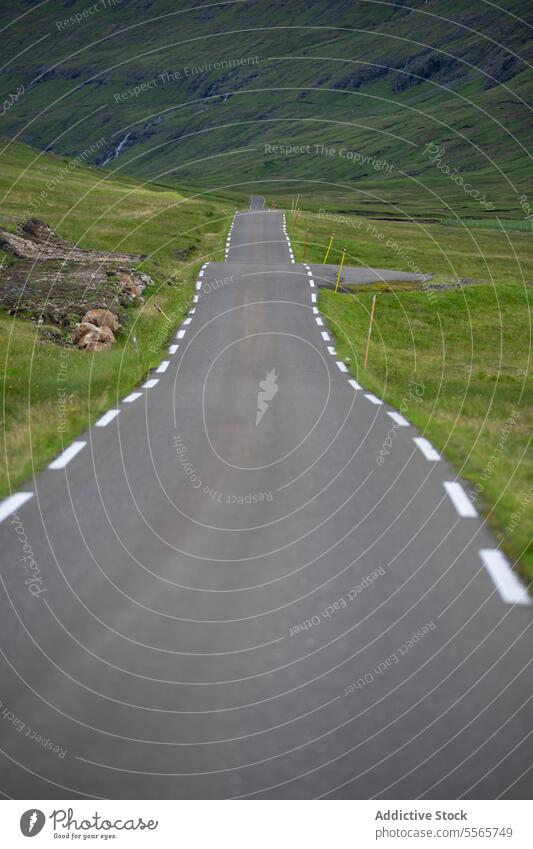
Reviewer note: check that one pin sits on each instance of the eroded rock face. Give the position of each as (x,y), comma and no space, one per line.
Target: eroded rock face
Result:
(52,282)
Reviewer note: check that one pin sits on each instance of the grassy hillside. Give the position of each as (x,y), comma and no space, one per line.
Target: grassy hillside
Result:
(194,95)
(50,393)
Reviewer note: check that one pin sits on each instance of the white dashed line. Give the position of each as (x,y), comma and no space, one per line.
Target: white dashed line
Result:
(373,399)
(325,336)
(132,397)
(106,418)
(354,384)
(162,367)
(11,505)
(341,366)
(201,274)
(180,334)
(309,273)
(195,299)
(400,421)
(198,286)
(187,321)
(151,383)
(312,284)
(332,351)
(426,448)
(319,322)
(315,311)
(67,455)
(507,582)
(313,298)
(172,349)
(460,500)
(191,312)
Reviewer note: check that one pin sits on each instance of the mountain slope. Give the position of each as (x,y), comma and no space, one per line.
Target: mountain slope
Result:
(194,94)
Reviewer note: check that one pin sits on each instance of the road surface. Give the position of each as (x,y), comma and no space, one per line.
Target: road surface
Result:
(253,582)
(326,276)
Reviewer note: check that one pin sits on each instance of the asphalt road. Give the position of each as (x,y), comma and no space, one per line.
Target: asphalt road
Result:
(326,276)
(252,582)
(257,202)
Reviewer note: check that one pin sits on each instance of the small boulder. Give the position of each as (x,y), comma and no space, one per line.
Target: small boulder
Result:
(81,329)
(96,345)
(143,279)
(130,288)
(102,318)
(92,338)
(134,283)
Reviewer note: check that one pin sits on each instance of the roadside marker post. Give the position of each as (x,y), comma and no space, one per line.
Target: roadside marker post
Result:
(340,268)
(329,248)
(161,311)
(370,329)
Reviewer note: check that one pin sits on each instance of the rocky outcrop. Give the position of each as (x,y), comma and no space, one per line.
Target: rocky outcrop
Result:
(51,282)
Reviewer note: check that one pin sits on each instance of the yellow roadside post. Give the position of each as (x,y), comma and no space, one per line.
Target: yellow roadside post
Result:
(340,269)
(329,248)
(161,311)
(370,329)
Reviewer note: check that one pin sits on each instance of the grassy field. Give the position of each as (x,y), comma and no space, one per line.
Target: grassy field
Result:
(469,346)
(483,254)
(51,393)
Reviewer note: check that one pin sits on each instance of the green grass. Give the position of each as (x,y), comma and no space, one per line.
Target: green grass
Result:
(470,349)
(448,252)
(490,224)
(41,379)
